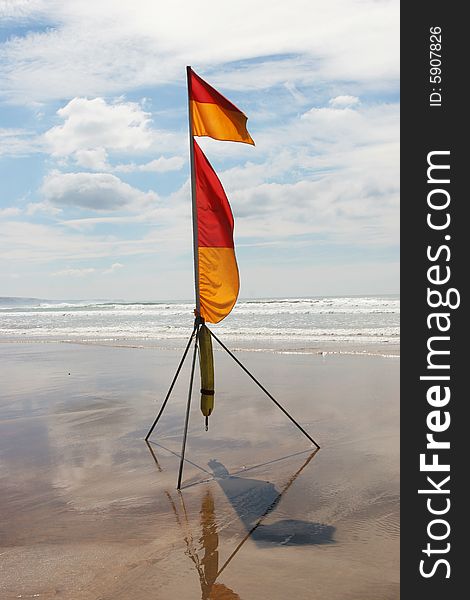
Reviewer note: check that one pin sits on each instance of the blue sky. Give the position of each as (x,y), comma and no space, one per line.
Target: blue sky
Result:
(94,191)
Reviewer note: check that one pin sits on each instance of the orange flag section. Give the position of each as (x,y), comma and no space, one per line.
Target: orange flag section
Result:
(218,271)
(213,115)
(218,282)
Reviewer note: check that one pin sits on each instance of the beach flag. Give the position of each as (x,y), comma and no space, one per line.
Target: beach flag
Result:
(215,265)
(213,115)
(218,272)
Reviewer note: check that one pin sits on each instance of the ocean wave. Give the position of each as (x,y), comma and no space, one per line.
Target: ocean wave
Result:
(338,319)
(338,306)
(365,335)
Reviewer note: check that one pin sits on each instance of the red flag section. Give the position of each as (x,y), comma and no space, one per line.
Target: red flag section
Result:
(213,115)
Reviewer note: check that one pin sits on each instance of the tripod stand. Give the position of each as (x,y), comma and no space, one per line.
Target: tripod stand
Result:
(195,337)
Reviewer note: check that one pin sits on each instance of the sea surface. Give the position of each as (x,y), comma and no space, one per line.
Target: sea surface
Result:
(280,324)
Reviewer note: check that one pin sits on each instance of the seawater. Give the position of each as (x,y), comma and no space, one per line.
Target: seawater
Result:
(291,324)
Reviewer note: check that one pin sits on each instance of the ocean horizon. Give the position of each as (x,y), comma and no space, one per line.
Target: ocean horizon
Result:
(289,324)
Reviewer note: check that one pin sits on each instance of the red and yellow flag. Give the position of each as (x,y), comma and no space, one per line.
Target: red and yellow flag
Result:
(218,271)
(213,115)
(217,282)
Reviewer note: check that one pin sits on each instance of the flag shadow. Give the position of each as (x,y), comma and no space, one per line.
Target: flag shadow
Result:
(253,500)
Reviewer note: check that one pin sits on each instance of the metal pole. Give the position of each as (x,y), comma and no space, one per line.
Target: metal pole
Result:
(171,386)
(193,196)
(188,406)
(264,390)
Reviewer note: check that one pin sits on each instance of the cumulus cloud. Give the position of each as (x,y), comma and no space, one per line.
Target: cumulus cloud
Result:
(347,211)
(323,139)
(338,177)
(324,170)
(158,165)
(95,125)
(96,191)
(343,101)
(352,125)
(94,129)
(95,159)
(328,122)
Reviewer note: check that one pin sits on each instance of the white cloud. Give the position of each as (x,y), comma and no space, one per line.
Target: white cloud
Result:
(92,129)
(9,211)
(326,123)
(320,140)
(20,9)
(94,125)
(343,211)
(96,191)
(350,125)
(342,172)
(325,166)
(18,142)
(343,101)
(96,160)
(28,243)
(296,94)
(113,268)
(141,46)
(158,165)
(74,272)
(44,207)
(83,271)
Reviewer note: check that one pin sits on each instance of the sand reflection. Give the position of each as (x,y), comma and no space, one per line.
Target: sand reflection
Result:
(204,555)
(252,500)
(85,510)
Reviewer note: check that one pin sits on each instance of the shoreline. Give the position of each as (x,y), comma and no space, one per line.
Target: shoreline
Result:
(385,350)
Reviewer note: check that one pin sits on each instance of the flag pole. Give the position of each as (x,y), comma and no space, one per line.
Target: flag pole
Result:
(193,196)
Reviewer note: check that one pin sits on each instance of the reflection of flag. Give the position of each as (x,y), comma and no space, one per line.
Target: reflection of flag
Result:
(213,115)
(218,272)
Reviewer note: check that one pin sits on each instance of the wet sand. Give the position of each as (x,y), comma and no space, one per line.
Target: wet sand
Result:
(89,511)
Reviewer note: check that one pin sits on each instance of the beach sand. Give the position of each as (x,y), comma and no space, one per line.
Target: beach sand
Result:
(89,511)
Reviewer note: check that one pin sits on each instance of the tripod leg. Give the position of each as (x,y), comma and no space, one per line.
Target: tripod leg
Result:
(264,389)
(188,406)
(171,386)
